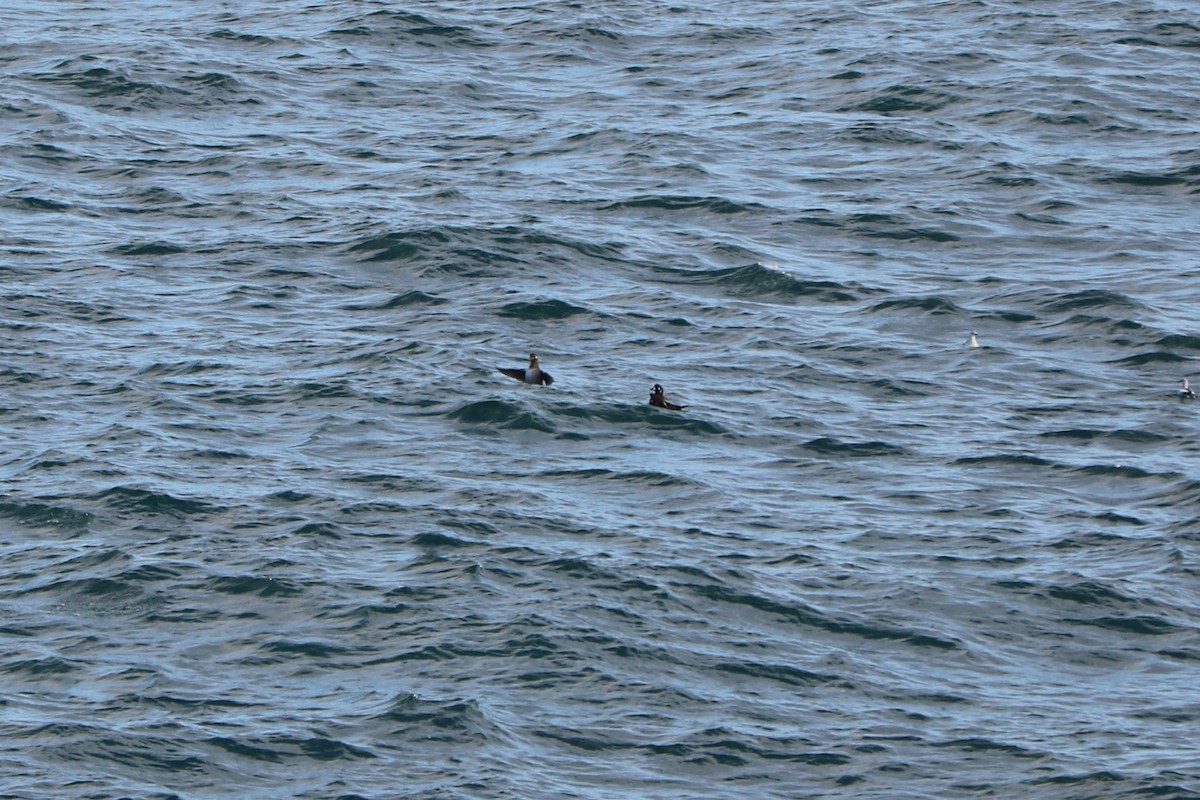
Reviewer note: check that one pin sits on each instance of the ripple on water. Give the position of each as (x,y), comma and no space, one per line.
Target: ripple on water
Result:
(501,414)
(769,284)
(272,522)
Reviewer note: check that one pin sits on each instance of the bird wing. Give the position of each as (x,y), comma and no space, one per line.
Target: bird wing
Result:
(546,379)
(518,374)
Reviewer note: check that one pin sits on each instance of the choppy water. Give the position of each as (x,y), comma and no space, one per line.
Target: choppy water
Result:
(273,526)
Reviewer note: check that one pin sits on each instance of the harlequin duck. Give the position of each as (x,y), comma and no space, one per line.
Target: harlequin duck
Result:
(534,374)
(657,398)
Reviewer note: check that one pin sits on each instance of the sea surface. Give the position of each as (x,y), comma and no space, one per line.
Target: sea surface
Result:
(272,524)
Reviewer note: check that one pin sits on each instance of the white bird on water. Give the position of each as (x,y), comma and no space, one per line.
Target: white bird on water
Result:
(1185,391)
(972,340)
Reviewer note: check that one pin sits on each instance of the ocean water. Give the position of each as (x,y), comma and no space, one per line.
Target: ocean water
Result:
(274,526)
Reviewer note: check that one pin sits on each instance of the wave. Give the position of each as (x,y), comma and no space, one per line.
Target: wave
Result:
(141,501)
(646,477)
(710,746)
(1153,357)
(149,249)
(33,203)
(1089,593)
(501,414)
(934,304)
(161,370)
(799,614)
(410,717)
(1111,517)
(1172,178)
(324,529)
(245,38)
(1005,459)
(978,744)
(287,747)
(34,668)
(1120,471)
(1089,299)
(640,414)
(889,226)
(779,673)
(389,27)
(541,310)
(1180,341)
(714,205)
(400,246)
(756,281)
(904,99)
(1116,326)
(46,517)
(1092,434)
(477,251)
(875,132)
(317,390)
(1142,625)
(440,540)
(903,388)
(833,447)
(413,298)
(127,89)
(255,585)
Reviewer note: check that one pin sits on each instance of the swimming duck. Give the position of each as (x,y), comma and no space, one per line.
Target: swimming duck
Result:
(657,398)
(534,374)
(1185,391)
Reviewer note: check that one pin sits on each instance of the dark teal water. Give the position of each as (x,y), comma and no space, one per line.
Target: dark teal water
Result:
(273,526)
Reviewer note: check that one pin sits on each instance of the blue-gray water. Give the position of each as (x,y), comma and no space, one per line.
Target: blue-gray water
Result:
(274,526)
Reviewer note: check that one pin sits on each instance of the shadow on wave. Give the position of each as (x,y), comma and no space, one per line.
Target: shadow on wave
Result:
(288,747)
(141,501)
(45,517)
(452,721)
(828,446)
(714,205)
(477,252)
(646,477)
(506,415)
(809,617)
(929,305)
(711,746)
(759,282)
(501,414)
(640,415)
(1152,357)
(413,298)
(1089,471)
(1089,299)
(1094,434)
(905,99)
(388,27)
(130,90)
(542,310)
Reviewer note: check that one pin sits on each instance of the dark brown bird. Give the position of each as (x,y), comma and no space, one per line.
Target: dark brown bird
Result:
(657,398)
(534,374)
